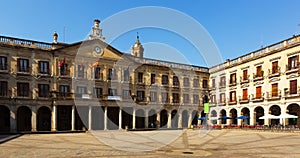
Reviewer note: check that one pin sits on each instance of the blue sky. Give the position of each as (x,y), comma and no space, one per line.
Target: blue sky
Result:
(237,27)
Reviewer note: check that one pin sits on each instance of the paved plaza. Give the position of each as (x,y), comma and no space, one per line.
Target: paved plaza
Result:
(160,143)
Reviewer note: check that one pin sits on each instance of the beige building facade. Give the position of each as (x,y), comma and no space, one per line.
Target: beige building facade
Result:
(257,84)
(90,85)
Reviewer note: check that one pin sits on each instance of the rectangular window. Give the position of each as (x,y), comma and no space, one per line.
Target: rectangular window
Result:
(213,83)
(152,78)
(186,82)
(258,71)
(293,87)
(98,92)
(97,72)
(245,75)
(258,92)
(153,96)
(175,97)
(23,89)
(223,81)
(233,78)
(186,98)
(175,81)
(164,97)
(64,90)
(64,69)
(222,98)
(23,65)
(44,67)
(196,83)
(245,94)
(126,75)
(293,62)
(112,74)
(80,71)
(3,88)
(165,80)
(232,96)
(140,96)
(43,90)
(213,99)
(275,90)
(126,94)
(3,63)
(140,77)
(204,83)
(274,67)
(112,92)
(81,90)
(195,99)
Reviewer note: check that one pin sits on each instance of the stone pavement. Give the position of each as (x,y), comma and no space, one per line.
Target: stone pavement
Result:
(160,143)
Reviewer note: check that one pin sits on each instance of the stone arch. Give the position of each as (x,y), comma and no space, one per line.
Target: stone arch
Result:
(275,110)
(213,116)
(24,118)
(4,118)
(245,112)
(140,118)
(223,114)
(194,117)
(293,109)
(152,119)
(259,112)
(43,119)
(163,118)
(185,119)
(233,115)
(174,119)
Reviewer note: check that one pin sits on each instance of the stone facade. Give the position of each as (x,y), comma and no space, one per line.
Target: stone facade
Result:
(262,82)
(90,85)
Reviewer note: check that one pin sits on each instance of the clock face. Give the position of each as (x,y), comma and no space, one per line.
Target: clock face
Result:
(97,49)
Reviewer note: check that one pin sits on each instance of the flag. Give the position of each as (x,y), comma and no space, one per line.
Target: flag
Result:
(95,64)
(62,62)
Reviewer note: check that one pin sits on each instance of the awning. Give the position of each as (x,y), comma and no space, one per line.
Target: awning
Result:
(225,117)
(242,117)
(202,118)
(284,116)
(269,116)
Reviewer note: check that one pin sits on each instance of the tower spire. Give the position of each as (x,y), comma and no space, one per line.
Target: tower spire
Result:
(137,49)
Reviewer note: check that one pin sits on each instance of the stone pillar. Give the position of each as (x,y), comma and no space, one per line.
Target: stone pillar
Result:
(252,118)
(158,119)
(120,119)
(239,121)
(33,118)
(169,124)
(73,118)
(53,118)
(105,118)
(90,118)
(283,112)
(146,118)
(228,121)
(190,119)
(179,119)
(13,122)
(133,118)
(266,121)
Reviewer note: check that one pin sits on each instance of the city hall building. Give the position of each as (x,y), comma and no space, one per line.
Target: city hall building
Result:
(90,85)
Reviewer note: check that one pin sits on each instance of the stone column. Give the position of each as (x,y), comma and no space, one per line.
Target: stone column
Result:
(169,124)
(190,119)
(158,119)
(266,121)
(146,118)
(90,118)
(228,121)
(179,119)
(120,119)
(53,118)
(239,121)
(133,118)
(283,111)
(33,118)
(251,110)
(105,118)
(73,118)
(13,125)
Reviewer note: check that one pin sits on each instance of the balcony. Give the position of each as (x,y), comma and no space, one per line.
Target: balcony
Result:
(292,95)
(273,95)
(274,72)
(291,69)
(257,98)
(244,79)
(244,100)
(232,102)
(258,76)
(232,84)
(222,85)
